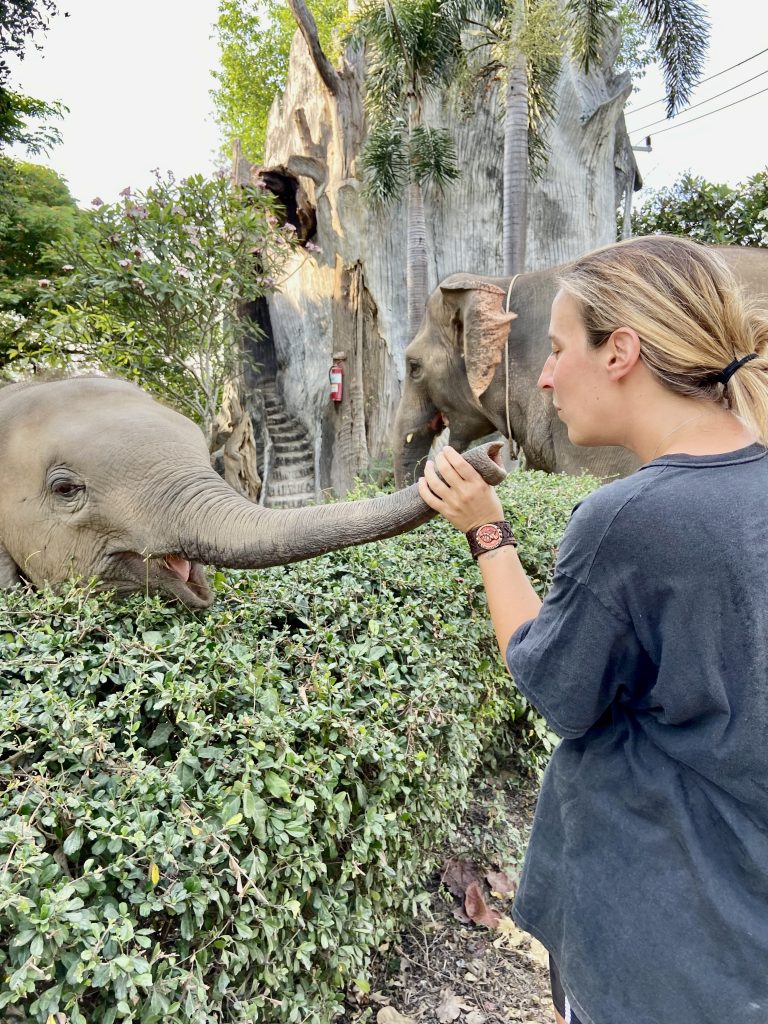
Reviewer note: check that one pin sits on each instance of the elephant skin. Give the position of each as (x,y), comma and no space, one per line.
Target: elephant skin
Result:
(455,372)
(101,480)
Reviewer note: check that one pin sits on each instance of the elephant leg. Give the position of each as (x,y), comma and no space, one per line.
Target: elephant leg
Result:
(9,573)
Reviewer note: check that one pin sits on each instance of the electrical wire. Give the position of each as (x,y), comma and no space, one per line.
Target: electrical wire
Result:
(701,103)
(636,110)
(710,112)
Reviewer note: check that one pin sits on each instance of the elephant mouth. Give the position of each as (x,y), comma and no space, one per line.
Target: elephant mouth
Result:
(172,575)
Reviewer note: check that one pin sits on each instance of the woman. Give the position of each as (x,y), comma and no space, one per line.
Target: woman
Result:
(647,871)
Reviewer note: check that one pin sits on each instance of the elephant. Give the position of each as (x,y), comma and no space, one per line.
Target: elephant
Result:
(101,480)
(456,373)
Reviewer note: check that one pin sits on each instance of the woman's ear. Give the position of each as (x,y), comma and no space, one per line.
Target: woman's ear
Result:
(622,351)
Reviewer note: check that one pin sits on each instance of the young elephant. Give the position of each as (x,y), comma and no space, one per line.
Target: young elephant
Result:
(99,479)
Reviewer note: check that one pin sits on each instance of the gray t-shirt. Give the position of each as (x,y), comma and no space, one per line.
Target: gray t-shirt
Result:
(647,872)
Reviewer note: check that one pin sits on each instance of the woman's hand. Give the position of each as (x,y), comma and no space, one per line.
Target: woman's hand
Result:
(461,496)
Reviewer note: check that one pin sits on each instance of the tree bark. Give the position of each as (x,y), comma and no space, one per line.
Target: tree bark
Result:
(308,29)
(515,201)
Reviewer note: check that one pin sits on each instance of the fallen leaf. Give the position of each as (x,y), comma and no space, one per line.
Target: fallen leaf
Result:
(500,883)
(538,953)
(457,875)
(478,909)
(509,934)
(475,1017)
(389,1015)
(449,1008)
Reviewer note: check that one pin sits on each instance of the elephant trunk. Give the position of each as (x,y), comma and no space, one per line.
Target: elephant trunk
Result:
(413,437)
(216,526)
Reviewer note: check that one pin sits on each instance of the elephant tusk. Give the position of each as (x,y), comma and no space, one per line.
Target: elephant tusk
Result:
(409,438)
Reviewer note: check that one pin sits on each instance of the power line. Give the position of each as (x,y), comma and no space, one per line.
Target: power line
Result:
(636,110)
(710,112)
(701,103)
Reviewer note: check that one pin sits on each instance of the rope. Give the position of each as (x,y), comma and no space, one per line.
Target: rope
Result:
(506,364)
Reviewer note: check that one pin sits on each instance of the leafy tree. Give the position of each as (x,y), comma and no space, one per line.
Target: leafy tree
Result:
(254,43)
(153,292)
(20,20)
(36,211)
(413,49)
(709,212)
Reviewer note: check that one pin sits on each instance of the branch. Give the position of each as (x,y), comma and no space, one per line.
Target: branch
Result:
(308,29)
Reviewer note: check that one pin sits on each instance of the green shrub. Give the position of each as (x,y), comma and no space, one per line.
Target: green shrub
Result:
(215,816)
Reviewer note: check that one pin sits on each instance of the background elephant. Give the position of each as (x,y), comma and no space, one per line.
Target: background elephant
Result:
(99,479)
(455,371)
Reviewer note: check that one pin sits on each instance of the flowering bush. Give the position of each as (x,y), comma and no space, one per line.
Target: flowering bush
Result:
(154,291)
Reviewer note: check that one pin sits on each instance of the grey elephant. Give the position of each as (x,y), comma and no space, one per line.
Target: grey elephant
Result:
(100,480)
(473,367)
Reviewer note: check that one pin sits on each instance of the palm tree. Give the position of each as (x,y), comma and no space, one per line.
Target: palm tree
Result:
(413,48)
(530,37)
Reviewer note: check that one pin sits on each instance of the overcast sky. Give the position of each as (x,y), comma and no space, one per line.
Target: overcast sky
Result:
(136,79)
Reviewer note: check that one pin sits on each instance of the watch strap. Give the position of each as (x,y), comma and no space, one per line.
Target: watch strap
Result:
(489,537)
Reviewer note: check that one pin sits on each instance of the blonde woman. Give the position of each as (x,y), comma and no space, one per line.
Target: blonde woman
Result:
(647,871)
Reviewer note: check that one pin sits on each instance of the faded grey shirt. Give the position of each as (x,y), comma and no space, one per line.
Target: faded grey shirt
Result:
(647,871)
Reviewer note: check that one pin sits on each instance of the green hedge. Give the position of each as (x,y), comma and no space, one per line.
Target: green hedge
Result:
(213,817)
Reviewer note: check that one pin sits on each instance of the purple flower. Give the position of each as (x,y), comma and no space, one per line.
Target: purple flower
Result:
(124,263)
(126,191)
(43,283)
(181,272)
(311,247)
(97,201)
(289,227)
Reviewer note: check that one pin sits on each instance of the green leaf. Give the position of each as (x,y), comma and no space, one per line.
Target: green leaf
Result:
(277,786)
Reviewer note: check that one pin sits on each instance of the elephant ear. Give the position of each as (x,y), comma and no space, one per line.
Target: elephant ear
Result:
(476,308)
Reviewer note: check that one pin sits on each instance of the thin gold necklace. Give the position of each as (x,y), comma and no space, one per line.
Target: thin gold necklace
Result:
(680,426)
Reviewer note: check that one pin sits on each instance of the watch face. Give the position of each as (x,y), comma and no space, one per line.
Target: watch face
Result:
(488,536)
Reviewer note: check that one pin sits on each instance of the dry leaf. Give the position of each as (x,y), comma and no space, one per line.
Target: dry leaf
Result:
(478,909)
(457,875)
(449,1008)
(538,954)
(500,883)
(509,934)
(389,1015)
(475,1017)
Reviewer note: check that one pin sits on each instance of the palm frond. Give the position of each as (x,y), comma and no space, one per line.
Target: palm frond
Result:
(384,161)
(590,21)
(433,156)
(681,28)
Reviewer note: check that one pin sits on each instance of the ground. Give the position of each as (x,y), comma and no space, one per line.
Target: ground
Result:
(447,967)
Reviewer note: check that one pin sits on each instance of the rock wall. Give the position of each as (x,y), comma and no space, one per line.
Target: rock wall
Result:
(350,299)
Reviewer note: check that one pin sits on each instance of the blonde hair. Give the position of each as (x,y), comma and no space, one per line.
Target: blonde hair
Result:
(689,312)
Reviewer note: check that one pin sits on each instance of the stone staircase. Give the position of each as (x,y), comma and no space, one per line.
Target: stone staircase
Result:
(292,473)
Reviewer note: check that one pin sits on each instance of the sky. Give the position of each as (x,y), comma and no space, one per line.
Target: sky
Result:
(136,78)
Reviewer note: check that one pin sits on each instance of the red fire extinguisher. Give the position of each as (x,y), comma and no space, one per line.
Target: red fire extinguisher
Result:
(336,377)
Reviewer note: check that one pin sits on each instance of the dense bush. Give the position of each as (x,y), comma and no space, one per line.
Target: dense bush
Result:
(709,212)
(214,817)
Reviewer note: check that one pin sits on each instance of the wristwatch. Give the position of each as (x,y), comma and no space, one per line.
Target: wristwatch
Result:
(488,537)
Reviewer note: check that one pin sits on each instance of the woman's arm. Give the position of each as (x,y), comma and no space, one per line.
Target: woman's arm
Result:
(466,500)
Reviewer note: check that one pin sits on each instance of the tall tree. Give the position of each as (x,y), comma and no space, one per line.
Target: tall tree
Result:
(20,21)
(254,45)
(413,48)
(531,36)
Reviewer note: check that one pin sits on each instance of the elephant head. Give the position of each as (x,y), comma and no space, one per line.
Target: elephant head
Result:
(448,367)
(100,480)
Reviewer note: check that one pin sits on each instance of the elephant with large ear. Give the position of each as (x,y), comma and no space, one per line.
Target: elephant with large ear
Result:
(473,367)
(100,480)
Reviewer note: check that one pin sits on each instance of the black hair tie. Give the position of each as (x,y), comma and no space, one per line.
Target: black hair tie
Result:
(725,375)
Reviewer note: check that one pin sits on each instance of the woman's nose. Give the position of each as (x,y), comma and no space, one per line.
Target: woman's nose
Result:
(545,377)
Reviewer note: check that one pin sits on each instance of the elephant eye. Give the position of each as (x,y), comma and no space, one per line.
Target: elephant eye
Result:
(414,368)
(63,486)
